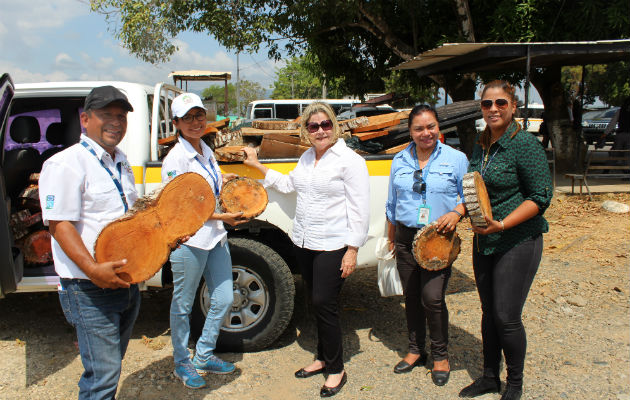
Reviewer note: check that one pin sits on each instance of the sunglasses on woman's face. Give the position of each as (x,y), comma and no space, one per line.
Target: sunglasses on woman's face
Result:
(500,103)
(313,127)
(419,186)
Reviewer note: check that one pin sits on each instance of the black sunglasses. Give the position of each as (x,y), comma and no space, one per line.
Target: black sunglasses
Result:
(419,186)
(313,127)
(501,104)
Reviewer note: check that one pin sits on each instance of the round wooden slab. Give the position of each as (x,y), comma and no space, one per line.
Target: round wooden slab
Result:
(37,248)
(435,250)
(476,199)
(154,226)
(244,195)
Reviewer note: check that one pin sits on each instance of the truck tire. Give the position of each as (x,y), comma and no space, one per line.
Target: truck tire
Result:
(264,292)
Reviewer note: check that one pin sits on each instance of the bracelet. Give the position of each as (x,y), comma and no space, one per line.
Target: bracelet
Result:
(457,212)
(502,226)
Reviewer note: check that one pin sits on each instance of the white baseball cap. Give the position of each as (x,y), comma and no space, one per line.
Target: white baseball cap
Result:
(184,102)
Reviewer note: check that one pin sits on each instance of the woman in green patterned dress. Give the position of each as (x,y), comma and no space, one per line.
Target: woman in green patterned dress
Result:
(507,253)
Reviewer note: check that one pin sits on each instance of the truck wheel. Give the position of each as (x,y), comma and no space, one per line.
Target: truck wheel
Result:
(264,292)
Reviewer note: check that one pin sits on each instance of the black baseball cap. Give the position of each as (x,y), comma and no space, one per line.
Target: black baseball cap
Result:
(102,96)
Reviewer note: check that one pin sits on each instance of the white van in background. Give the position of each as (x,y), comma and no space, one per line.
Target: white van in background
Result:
(291,109)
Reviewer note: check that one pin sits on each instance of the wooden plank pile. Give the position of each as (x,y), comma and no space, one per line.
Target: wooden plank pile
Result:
(379,134)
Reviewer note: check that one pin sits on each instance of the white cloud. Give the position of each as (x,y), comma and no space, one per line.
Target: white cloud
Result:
(64,61)
(20,75)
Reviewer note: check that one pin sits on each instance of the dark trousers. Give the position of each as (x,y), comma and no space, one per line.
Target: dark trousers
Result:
(424,298)
(503,282)
(322,274)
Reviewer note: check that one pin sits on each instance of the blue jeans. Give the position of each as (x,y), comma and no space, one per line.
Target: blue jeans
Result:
(188,265)
(103,319)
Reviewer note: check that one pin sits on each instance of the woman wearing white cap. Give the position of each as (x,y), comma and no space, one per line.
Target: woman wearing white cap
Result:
(204,254)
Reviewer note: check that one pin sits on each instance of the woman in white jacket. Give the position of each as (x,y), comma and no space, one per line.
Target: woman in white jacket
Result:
(331,223)
(205,254)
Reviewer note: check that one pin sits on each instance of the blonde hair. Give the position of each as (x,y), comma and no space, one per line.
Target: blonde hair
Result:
(312,109)
(485,138)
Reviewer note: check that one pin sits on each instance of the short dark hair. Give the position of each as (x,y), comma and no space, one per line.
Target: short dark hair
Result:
(419,109)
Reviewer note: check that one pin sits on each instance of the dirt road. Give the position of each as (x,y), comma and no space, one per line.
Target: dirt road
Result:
(576,319)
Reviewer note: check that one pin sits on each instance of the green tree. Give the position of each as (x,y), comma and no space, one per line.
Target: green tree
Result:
(249,91)
(358,41)
(302,78)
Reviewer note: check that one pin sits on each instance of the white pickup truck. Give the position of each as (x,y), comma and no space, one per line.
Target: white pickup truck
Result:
(39,119)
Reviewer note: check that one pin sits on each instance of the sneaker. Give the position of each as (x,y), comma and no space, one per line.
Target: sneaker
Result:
(213,365)
(189,376)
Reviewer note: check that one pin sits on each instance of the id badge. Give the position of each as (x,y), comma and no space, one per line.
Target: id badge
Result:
(424,214)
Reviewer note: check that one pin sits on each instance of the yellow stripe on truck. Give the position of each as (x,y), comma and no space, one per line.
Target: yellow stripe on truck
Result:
(137,174)
(375,168)
(154,174)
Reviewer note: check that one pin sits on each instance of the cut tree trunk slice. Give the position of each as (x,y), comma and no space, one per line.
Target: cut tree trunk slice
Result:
(37,249)
(275,125)
(244,195)
(156,223)
(476,199)
(229,153)
(435,250)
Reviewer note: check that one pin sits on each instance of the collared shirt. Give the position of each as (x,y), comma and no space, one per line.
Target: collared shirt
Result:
(184,158)
(443,176)
(516,170)
(332,209)
(74,186)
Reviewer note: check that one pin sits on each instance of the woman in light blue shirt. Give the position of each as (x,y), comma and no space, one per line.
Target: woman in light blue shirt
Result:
(425,185)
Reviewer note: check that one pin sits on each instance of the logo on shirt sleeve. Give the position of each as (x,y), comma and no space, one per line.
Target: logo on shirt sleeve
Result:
(50,201)
(171,174)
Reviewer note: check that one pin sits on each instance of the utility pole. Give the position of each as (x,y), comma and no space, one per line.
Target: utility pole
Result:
(292,88)
(238,86)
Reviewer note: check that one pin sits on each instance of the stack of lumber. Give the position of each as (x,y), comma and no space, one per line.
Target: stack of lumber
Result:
(380,134)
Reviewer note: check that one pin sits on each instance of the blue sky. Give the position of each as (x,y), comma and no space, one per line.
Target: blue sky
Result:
(60,40)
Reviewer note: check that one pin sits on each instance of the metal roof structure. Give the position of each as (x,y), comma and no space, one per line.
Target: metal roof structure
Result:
(197,75)
(478,57)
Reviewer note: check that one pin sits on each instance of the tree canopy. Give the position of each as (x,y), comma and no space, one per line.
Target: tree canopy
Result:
(248,92)
(358,41)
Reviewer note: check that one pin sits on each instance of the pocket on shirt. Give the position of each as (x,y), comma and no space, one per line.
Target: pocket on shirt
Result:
(442,179)
(102,197)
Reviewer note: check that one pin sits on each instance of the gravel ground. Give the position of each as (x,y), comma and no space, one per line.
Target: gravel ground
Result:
(576,318)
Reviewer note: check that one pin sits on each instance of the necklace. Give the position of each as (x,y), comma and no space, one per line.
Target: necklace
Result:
(486,162)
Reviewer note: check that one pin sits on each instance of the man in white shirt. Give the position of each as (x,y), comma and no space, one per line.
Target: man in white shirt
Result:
(82,189)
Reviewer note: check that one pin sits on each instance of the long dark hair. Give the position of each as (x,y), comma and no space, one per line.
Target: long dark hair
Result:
(419,109)
(485,138)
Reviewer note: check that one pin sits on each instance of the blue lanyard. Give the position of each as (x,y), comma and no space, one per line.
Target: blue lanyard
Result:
(111,174)
(426,167)
(214,175)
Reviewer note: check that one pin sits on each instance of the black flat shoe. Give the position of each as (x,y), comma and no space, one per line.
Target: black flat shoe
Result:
(481,386)
(301,373)
(512,393)
(403,366)
(440,377)
(331,391)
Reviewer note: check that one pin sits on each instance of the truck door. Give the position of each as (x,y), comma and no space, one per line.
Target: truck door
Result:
(11,259)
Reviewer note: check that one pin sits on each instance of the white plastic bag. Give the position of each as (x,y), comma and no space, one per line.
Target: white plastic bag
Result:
(388,279)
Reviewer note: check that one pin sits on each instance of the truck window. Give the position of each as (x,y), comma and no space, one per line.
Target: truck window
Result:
(287,111)
(263,111)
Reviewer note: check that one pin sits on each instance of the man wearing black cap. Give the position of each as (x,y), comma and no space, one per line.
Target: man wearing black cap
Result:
(82,189)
